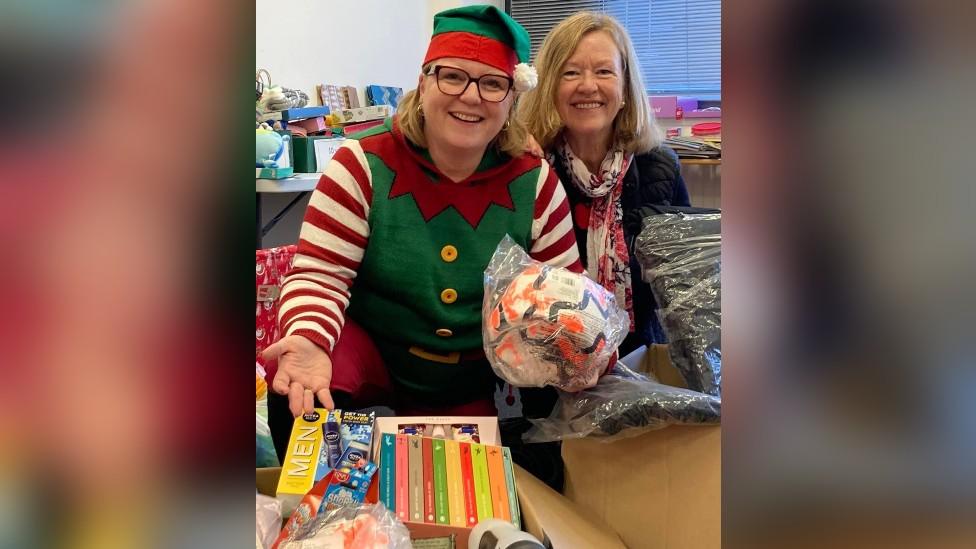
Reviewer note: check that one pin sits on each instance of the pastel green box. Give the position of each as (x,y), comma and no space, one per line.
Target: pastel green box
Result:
(304,159)
(304,149)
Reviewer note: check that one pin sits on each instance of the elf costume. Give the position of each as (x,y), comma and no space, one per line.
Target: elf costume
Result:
(417,243)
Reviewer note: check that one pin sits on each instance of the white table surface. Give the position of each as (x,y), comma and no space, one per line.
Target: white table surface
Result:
(297,183)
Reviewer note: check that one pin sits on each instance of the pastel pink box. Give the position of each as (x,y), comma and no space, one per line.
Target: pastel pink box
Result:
(313,125)
(664,106)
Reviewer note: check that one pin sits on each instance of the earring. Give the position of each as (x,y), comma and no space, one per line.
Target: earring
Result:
(622,103)
(506,125)
(420,110)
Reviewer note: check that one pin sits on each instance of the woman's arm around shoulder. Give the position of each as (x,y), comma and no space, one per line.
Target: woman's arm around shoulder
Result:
(553,240)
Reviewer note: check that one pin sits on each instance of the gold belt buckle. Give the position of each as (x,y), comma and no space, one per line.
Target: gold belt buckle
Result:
(450,358)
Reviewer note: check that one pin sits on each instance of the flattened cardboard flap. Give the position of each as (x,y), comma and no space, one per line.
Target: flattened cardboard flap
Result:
(547,515)
(267,480)
(656,362)
(662,489)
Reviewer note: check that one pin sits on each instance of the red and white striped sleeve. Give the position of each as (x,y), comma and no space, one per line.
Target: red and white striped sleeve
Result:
(315,293)
(553,239)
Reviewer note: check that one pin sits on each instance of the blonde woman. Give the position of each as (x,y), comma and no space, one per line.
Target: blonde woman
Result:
(383,304)
(591,116)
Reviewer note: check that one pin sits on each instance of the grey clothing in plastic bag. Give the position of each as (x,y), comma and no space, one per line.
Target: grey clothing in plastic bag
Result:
(624,403)
(681,258)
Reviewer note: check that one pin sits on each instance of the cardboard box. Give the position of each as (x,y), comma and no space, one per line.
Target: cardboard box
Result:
(664,106)
(362,114)
(672,494)
(487,433)
(655,361)
(304,154)
(487,427)
(384,95)
(551,517)
(314,152)
(360,126)
(672,497)
(350,97)
(267,480)
(325,149)
(273,173)
(545,514)
(687,104)
(301,462)
(313,125)
(330,96)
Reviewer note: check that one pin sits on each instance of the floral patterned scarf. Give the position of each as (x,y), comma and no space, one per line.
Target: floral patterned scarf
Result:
(607,260)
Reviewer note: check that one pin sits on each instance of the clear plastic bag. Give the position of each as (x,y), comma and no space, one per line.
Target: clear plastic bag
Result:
(267,521)
(693,322)
(362,527)
(681,259)
(546,325)
(266,456)
(624,403)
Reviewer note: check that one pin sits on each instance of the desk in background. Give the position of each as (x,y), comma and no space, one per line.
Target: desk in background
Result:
(701,161)
(703,177)
(301,183)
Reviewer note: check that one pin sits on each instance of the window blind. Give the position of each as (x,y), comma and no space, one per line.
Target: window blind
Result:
(678,42)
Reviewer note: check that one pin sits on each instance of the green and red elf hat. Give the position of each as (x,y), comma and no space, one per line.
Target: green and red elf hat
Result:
(487,35)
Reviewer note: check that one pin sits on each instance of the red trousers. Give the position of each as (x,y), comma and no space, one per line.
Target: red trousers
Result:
(359,372)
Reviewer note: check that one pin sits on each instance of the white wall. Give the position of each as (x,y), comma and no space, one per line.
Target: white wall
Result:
(307,42)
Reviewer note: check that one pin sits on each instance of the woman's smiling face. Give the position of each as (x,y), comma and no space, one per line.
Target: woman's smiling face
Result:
(591,87)
(463,122)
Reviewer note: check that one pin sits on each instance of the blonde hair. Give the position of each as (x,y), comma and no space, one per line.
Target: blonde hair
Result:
(510,141)
(635,129)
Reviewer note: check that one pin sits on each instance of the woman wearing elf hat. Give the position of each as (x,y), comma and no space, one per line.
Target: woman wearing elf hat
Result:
(386,289)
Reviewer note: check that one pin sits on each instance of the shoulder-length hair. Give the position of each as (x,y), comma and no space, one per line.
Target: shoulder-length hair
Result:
(510,141)
(635,129)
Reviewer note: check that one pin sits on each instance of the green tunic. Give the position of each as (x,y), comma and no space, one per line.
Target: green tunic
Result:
(419,287)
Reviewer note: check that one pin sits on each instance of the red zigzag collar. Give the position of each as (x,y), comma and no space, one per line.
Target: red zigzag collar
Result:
(471,197)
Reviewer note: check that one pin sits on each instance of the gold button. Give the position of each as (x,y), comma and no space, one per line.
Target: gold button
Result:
(449,295)
(448,253)
(444,332)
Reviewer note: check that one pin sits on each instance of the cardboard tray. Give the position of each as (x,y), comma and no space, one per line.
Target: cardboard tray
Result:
(545,514)
(661,489)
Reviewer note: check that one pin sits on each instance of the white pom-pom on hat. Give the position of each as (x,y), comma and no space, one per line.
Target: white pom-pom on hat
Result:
(525,77)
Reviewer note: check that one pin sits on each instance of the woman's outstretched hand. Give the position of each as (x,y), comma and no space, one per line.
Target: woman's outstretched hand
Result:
(304,372)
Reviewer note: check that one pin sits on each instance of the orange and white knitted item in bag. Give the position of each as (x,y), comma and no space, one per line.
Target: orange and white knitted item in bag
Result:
(546,325)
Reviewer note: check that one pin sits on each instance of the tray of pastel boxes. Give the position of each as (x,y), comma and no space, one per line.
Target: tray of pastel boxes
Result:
(440,476)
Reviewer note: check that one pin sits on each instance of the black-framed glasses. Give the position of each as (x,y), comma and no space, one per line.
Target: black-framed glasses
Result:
(493,88)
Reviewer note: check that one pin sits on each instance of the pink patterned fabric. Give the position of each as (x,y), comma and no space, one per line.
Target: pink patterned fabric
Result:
(607,259)
(270,267)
